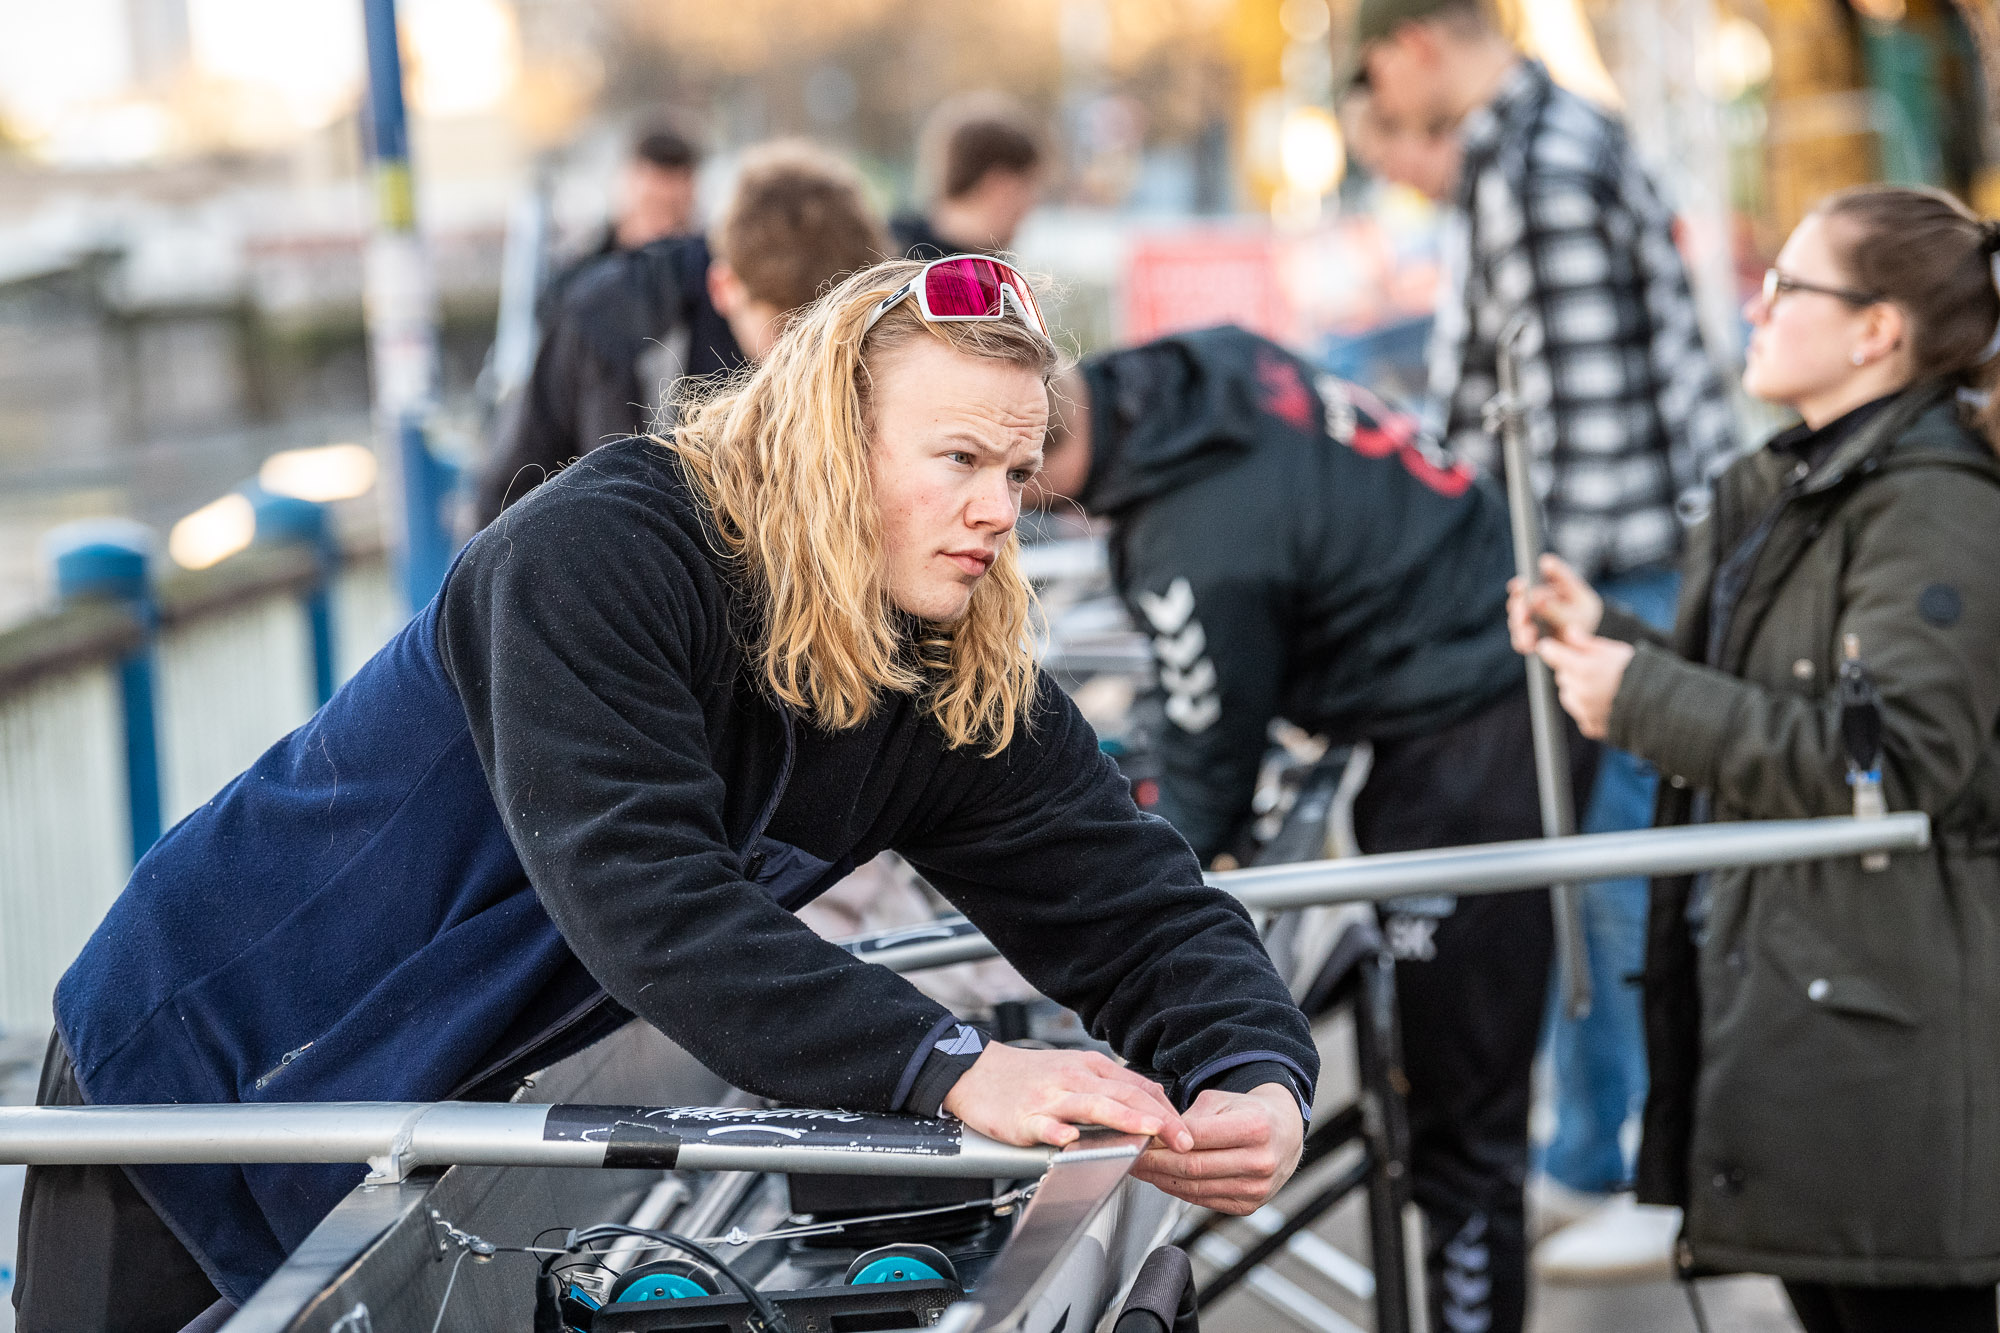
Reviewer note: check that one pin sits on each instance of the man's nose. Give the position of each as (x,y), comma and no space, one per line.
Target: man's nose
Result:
(994,506)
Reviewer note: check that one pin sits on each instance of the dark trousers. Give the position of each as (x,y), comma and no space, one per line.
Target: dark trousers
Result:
(1825,1308)
(1471,981)
(93,1254)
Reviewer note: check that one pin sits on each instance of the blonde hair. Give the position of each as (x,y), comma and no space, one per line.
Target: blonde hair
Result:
(782,459)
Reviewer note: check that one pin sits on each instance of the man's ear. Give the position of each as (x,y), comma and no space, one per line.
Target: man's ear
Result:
(726,291)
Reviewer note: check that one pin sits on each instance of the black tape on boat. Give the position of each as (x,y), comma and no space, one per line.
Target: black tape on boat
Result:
(629,1139)
(652,1136)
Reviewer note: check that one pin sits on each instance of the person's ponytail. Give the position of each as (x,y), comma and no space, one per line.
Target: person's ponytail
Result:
(1928,253)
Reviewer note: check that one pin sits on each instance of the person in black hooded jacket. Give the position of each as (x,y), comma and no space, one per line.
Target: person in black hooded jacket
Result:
(1295,550)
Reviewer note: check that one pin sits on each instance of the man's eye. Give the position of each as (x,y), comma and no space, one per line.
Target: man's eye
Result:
(1021,476)
(959,456)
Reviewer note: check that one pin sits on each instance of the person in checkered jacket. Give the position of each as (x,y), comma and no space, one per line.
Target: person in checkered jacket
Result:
(1554,222)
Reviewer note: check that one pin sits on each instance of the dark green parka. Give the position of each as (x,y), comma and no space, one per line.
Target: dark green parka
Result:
(1825,1056)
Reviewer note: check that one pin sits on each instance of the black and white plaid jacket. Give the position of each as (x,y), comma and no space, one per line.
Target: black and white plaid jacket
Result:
(1626,413)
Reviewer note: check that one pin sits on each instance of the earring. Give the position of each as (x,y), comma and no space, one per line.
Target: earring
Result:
(1858,359)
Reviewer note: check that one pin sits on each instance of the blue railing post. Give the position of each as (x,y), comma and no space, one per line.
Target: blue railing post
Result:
(108,560)
(402,324)
(287,520)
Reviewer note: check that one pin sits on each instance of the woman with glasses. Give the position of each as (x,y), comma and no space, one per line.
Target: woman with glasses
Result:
(1826,1080)
(672,695)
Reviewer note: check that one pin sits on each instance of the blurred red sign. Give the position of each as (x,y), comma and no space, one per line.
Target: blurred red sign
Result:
(1191,280)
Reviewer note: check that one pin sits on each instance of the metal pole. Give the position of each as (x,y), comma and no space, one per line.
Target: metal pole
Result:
(395,1138)
(1488,868)
(401,309)
(1544,715)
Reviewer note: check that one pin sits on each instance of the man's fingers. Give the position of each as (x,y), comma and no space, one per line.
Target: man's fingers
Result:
(1050,1130)
(1155,1109)
(1227,1164)
(1099,1108)
(1227,1196)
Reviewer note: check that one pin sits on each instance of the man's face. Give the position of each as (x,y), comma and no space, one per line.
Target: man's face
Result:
(955,442)
(1407,76)
(657,202)
(1423,155)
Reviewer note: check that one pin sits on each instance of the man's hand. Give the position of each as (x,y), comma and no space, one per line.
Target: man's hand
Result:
(1245,1147)
(1561,602)
(1026,1097)
(1588,672)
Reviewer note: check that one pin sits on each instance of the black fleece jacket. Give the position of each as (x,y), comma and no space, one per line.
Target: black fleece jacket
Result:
(594,637)
(1296,551)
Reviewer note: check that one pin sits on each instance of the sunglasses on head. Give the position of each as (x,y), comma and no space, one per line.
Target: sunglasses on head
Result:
(964,289)
(1776,284)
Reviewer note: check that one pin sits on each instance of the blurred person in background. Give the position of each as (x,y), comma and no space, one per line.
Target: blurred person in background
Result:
(1825,1096)
(985,161)
(636,325)
(656,192)
(1295,549)
(655,199)
(1555,222)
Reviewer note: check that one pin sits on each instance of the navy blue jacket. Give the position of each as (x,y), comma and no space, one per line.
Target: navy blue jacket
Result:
(541,809)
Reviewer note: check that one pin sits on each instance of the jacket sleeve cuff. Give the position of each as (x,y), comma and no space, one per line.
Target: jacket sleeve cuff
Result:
(940,1061)
(1618,623)
(1674,713)
(1242,1073)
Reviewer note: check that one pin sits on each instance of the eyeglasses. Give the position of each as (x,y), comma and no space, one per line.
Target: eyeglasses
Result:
(961,289)
(1776,284)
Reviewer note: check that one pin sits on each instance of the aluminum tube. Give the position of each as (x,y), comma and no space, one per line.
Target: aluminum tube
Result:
(1498,867)
(1501,866)
(493,1134)
(320,1132)
(978,1157)
(419,1134)
(1545,719)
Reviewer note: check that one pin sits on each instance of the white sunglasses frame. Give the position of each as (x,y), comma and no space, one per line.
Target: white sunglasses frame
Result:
(1024,307)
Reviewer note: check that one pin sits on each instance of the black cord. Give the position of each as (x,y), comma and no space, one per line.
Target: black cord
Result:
(1694,1305)
(765,1316)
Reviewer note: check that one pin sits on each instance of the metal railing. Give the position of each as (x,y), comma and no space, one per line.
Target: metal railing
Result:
(1485,868)
(395,1138)
(136,700)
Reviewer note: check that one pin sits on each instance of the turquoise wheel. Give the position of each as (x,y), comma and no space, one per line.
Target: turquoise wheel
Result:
(668,1280)
(901,1263)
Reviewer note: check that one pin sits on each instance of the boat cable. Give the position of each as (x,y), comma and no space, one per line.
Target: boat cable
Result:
(767,1316)
(450,1283)
(764,1316)
(1000,1205)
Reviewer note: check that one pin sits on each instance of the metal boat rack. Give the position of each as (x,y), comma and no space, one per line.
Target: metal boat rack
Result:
(382,1219)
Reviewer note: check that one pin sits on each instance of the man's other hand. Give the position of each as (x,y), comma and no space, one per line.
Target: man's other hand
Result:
(1246,1146)
(1026,1097)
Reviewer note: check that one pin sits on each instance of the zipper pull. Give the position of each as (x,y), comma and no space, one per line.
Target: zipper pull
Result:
(1861,736)
(279,1068)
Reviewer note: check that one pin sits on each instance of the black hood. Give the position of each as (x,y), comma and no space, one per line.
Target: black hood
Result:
(1173,411)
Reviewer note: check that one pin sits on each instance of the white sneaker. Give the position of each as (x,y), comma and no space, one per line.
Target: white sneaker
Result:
(1553,1205)
(1623,1241)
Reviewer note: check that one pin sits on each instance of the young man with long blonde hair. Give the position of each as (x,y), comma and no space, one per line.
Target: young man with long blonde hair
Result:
(671,695)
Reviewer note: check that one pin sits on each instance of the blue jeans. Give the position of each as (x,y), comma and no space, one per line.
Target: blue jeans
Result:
(1598,1064)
